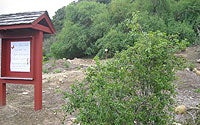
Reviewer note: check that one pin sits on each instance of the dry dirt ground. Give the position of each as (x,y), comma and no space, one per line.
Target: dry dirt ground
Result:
(60,74)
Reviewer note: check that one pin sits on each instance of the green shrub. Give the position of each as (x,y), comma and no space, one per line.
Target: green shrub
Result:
(182,29)
(44,70)
(66,64)
(57,71)
(135,87)
(197,90)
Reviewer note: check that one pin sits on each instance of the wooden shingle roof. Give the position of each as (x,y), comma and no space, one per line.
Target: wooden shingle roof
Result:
(36,20)
(19,18)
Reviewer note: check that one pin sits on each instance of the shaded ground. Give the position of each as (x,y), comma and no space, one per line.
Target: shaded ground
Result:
(60,74)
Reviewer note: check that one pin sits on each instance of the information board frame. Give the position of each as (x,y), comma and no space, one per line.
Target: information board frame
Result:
(31,26)
(6,71)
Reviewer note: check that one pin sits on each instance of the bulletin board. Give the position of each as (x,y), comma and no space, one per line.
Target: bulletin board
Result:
(17,58)
(20,56)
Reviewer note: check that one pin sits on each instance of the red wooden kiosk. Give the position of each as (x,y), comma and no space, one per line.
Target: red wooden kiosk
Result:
(21,37)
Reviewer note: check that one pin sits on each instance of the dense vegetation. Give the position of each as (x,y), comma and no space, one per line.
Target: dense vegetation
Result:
(135,87)
(88,27)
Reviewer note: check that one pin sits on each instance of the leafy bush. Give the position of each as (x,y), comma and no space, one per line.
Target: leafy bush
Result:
(187,10)
(151,22)
(188,13)
(133,88)
(182,29)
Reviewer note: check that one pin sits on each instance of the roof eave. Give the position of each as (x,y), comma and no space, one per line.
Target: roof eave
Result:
(33,25)
(18,26)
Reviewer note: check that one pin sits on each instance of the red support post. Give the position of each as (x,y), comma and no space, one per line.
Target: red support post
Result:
(2,94)
(38,71)
(37,96)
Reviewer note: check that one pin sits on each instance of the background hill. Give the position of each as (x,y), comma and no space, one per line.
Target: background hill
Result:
(87,27)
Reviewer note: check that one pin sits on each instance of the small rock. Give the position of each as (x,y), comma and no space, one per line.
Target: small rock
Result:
(181,109)
(45,81)
(198,61)
(25,93)
(73,119)
(61,80)
(197,71)
(187,69)
(175,123)
(50,88)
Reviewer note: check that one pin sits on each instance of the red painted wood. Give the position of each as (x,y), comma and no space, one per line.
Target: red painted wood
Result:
(43,28)
(17,33)
(36,66)
(48,20)
(25,32)
(34,25)
(6,59)
(38,70)
(12,81)
(16,27)
(2,93)
(17,37)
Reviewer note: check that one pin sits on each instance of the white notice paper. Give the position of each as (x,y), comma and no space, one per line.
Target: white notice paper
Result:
(20,56)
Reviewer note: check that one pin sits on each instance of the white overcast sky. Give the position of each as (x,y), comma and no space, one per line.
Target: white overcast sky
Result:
(15,6)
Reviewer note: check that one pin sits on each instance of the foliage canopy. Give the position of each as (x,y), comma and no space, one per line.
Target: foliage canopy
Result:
(87,27)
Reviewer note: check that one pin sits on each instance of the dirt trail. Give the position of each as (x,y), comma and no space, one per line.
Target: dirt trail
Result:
(188,86)
(20,98)
(60,74)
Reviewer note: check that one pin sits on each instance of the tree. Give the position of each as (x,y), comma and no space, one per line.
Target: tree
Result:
(58,19)
(120,10)
(79,33)
(100,1)
(159,6)
(104,1)
(58,22)
(91,26)
(188,12)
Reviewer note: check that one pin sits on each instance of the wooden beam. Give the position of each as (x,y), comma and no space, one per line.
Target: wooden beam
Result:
(48,20)
(2,94)
(16,27)
(42,28)
(38,71)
